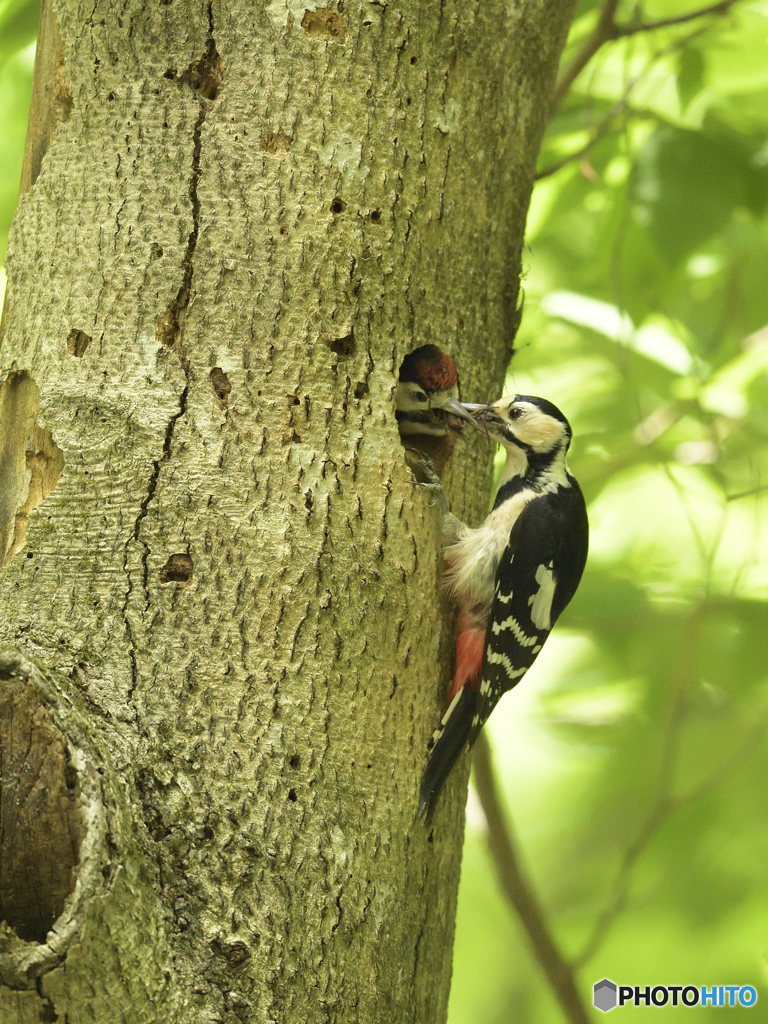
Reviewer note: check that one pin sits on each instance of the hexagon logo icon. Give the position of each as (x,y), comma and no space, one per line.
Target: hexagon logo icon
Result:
(604,995)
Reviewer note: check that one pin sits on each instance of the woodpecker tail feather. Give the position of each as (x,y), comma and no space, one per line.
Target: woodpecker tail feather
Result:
(447,744)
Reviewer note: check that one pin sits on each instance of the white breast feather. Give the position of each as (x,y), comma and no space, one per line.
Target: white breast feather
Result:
(474,556)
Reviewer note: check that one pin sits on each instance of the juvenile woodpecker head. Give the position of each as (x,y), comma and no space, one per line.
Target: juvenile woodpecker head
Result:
(533,431)
(427,394)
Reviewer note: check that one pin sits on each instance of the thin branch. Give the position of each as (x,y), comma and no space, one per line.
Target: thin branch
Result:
(747,494)
(621,104)
(622,31)
(597,133)
(519,891)
(607,30)
(666,803)
(602,33)
(663,802)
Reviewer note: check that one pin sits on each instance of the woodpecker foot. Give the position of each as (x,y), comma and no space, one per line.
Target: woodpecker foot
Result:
(431,481)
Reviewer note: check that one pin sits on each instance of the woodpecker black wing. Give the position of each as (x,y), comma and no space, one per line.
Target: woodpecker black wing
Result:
(537,576)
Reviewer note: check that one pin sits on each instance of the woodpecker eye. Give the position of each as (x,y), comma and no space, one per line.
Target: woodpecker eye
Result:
(514,414)
(420,396)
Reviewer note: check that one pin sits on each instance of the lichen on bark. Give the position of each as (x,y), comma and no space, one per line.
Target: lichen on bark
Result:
(251,213)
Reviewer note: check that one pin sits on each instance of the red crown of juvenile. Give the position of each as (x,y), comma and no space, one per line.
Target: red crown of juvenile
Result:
(430,368)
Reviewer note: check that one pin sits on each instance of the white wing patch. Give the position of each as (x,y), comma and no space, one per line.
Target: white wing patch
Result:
(514,625)
(541,602)
(444,721)
(502,659)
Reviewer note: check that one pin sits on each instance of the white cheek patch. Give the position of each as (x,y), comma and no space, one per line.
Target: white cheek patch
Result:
(514,625)
(540,431)
(502,659)
(541,602)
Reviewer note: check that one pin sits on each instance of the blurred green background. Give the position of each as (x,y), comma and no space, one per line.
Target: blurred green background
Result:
(634,757)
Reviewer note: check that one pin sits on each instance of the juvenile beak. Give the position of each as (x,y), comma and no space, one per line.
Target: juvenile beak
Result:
(461,409)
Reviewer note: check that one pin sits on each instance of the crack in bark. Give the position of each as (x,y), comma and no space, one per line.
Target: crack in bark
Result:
(204,77)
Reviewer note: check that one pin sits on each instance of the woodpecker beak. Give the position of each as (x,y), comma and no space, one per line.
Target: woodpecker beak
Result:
(460,409)
(481,415)
(487,414)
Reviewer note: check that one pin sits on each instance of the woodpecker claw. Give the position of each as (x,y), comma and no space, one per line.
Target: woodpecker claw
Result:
(432,481)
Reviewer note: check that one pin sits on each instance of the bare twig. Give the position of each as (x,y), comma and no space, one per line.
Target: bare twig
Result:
(666,802)
(602,33)
(747,494)
(520,893)
(608,30)
(622,31)
(663,802)
(597,133)
(621,104)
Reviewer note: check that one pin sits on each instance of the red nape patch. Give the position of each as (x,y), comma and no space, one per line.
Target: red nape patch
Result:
(469,654)
(430,368)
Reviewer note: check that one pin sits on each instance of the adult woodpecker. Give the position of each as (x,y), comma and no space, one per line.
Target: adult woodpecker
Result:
(512,576)
(429,414)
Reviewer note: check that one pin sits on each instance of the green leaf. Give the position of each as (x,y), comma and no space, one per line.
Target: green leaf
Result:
(689,183)
(690,75)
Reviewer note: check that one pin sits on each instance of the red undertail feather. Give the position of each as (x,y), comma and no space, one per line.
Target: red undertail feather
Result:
(470,643)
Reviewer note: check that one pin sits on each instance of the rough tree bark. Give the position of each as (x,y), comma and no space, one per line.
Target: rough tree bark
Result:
(224,643)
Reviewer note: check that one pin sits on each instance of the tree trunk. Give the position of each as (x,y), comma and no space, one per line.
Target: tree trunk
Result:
(225,643)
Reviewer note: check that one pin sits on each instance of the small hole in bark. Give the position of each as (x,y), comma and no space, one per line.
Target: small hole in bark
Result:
(30,554)
(338,206)
(361,389)
(308,500)
(77,342)
(276,144)
(294,761)
(110,97)
(343,347)
(408,101)
(461,323)
(292,795)
(283,231)
(414,59)
(205,75)
(170,74)
(376,217)
(237,955)
(294,400)
(155,251)
(324,25)
(178,569)
(221,385)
